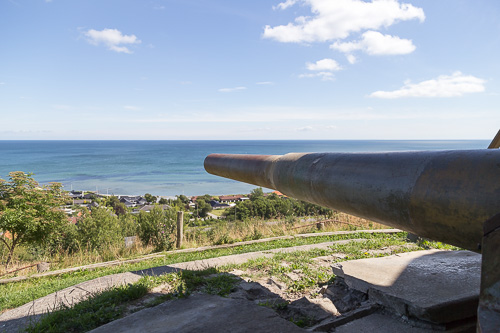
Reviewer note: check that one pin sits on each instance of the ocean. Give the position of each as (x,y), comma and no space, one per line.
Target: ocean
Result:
(167,168)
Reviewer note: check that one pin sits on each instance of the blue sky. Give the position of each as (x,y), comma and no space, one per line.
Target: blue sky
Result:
(296,69)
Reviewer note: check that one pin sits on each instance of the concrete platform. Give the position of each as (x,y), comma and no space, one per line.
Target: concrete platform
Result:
(379,322)
(203,313)
(439,287)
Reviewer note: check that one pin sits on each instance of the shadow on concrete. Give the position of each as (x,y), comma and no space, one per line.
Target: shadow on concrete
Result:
(438,288)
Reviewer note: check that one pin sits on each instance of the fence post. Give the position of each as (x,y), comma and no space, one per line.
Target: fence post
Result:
(180,224)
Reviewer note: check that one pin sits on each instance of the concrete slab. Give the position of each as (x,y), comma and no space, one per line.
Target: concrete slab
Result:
(203,313)
(380,323)
(435,286)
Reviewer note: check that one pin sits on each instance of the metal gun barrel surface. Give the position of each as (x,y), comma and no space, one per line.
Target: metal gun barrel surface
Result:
(442,195)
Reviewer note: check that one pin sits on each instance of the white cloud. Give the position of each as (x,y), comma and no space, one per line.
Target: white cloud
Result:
(337,19)
(132,108)
(285,5)
(324,65)
(306,129)
(325,76)
(453,85)
(351,59)
(324,69)
(265,83)
(2,83)
(226,90)
(375,43)
(113,39)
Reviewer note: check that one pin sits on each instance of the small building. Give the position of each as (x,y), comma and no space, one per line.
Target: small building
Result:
(149,208)
(230,198)
(217,205)
(128,203)
(132,201)
(75,194)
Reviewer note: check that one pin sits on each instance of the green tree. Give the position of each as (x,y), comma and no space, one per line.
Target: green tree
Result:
(256,193)
(206,197)
(183,199)
(118,207)
(150,198)
(29,214)
(99,229)
(202,208)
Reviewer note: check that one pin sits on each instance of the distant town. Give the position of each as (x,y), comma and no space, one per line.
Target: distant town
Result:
(137,203)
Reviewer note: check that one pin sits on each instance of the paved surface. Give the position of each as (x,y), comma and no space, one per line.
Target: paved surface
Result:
(203,313)
(435,286)
(378,322)
(13,320)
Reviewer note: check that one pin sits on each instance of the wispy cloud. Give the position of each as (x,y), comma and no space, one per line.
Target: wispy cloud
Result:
(113,39)
(264,83)
(227,90)
(279,114)
(285,5)
(454,85)
(316,128)
(325,76)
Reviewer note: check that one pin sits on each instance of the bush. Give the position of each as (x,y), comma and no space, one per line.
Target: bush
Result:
(100,229)
(157,228)
(128,225)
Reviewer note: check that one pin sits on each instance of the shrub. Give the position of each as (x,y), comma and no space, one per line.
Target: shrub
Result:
(157,228)
(100,229)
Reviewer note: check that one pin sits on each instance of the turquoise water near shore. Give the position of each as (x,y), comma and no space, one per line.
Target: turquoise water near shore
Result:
(168,167)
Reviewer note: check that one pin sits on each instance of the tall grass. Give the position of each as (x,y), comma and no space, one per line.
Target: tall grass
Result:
(214,232)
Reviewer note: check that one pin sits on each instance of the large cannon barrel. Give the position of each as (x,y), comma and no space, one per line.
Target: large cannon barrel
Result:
(441,195)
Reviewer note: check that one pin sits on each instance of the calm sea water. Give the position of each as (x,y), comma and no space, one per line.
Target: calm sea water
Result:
(167,167)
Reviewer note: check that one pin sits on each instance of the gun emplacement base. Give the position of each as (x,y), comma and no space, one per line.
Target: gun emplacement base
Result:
(442,195)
